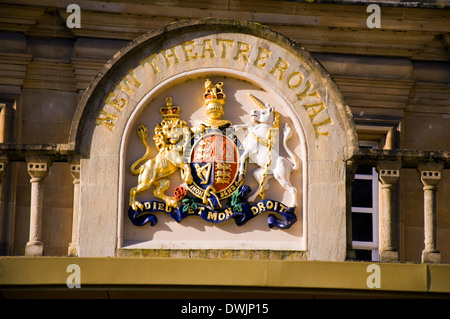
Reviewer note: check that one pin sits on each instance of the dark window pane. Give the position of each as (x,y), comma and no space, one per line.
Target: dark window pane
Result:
(364,169)
(362,226)
(363,254)
(362,193)
(367,147)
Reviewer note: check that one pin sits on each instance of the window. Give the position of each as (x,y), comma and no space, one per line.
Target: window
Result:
(365,210)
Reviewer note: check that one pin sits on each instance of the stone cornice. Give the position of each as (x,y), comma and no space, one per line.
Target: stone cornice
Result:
(408,158)
(66,152)
(19,152)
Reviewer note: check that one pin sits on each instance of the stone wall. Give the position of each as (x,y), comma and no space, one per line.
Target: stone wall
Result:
(398,73)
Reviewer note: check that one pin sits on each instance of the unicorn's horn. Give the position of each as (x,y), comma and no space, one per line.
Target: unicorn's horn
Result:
(258,102)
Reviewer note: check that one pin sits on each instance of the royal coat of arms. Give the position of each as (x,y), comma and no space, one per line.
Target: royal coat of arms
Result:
(212,161)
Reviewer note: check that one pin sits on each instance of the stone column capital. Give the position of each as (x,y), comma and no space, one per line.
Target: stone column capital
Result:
(38,167)
(3,162)
(430,174)
(75,170)
(388,172)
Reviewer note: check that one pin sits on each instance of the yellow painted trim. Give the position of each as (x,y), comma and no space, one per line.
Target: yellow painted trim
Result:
(36,271)
(439,278)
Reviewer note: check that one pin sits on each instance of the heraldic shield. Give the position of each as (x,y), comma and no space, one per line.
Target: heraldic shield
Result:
(212,161)
(215,167)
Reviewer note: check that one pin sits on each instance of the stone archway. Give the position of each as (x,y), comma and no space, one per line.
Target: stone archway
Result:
(174,61)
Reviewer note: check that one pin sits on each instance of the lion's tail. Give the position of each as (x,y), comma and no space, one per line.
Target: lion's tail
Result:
(142,132)
(293,158)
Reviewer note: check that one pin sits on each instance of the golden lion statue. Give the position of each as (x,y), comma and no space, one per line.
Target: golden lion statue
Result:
(172,136)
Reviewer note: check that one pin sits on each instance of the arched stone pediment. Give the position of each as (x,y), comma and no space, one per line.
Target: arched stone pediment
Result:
(175,62)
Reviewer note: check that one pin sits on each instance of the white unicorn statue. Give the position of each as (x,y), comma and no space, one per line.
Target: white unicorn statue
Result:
(260,146)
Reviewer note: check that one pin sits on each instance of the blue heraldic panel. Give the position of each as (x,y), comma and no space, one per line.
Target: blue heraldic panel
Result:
(238,208)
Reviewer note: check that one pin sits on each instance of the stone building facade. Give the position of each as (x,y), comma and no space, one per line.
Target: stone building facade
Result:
(368,106)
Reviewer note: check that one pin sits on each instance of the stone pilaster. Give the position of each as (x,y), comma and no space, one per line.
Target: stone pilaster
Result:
(75,172)
(349,178)
(388,174)
(3,163)
(38,168)
(3,228)
(430,175)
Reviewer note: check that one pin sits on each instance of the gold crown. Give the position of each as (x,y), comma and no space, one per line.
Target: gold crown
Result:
(214,93)
(170,112)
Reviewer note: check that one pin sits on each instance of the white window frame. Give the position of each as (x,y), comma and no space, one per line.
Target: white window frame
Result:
(369,245)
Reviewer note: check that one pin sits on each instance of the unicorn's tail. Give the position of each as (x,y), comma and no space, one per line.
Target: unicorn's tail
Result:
(287,132)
